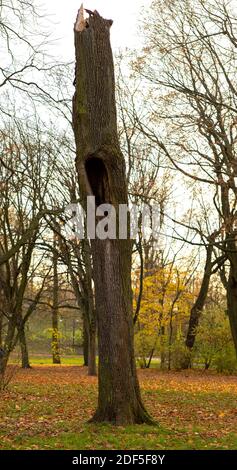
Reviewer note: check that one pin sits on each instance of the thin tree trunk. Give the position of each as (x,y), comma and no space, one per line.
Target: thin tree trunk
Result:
(232,305)
(170,340)
(25,363)
(92,349)
(101,171)
(90,309)
(85,340)
(162,348)
(162,327)
(73,334)
(55,329)
(89,342)
(150,358)
(141,278)
(1,329)
(197,308)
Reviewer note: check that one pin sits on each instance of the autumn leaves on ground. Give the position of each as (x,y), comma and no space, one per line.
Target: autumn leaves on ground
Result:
(48,407)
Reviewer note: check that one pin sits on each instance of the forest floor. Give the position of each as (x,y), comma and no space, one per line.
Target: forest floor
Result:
(47,407)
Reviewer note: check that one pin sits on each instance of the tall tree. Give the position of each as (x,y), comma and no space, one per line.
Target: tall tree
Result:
(101,172)
(195,45)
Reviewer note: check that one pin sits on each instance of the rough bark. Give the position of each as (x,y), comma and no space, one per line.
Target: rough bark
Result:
(101,171)
(7,348)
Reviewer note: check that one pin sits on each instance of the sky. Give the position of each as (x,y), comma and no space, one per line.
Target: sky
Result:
(124,13)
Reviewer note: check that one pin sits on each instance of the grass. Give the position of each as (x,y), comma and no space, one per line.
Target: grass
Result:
(47,360)
(48,407)
(69,360)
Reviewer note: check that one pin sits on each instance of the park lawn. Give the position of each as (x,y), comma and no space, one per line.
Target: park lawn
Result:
(47,360)
(74,360)
(68,360)
(47,407)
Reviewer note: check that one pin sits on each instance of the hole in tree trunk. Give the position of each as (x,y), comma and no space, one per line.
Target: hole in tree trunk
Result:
(98,178)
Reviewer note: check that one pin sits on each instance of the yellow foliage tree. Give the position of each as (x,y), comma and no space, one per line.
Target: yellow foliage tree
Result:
(165,308)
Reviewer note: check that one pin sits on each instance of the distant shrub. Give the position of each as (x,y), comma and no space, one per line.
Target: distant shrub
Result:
(144,347)
(225,361)
(178,352)
(214,344)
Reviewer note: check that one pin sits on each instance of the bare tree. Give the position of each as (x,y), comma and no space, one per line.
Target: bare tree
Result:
(194,45)
(29,75)
(23,198)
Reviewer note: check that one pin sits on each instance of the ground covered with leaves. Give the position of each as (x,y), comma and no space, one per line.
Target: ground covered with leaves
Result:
(47,407)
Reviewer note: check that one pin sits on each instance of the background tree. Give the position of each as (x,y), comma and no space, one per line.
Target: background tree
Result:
(195,48)
(20,207)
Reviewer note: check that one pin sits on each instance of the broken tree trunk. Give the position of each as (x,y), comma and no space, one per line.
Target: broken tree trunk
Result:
(101,172)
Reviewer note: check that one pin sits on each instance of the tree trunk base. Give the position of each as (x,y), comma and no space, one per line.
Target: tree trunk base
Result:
(186,364)
(26,366)
(57,361)
(140,416)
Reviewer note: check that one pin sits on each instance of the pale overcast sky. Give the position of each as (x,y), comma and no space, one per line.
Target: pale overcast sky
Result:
(125,14)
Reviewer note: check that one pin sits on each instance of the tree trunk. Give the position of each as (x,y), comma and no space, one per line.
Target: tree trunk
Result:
(232,305)
(150,358)
(197,308)
(89,340)
(25,363)
(162,348)
(85,341)
(55,329)
(90,309)
(1,328)
(7,348)
(101,171)
(92,349)
(3,365)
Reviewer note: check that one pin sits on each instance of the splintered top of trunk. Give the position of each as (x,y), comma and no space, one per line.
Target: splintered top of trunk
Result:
(94,100)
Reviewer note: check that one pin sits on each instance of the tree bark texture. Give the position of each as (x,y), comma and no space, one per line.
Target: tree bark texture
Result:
(101,171)
(8,346)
